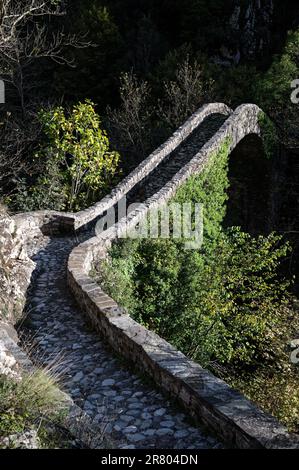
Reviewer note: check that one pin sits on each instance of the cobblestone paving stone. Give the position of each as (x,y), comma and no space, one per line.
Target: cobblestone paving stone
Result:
(136,414)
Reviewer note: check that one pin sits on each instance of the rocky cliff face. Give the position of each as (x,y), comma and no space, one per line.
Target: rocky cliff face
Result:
(15,269)
(257,29)
(251,22)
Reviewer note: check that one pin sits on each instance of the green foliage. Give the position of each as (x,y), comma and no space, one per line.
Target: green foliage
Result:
(274,391)
(273,384)
(220,304)
(269,135)
(209,188)
(49,192)
(237,296)
(273,90)
(78,167)
(118,276)
(79,146)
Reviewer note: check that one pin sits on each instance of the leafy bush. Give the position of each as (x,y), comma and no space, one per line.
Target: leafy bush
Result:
(273,91)
(75,166)
(49,192)
(209,188)
(221,305)
(273,390)
(269,135)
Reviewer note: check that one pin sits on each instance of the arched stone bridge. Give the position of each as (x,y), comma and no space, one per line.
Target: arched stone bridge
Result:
(62,296)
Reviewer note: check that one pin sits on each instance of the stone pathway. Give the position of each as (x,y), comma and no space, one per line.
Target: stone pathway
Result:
(136,414)
(182,155)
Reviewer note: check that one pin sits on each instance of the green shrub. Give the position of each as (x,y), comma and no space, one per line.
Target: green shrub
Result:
(75,165)
(269,135)
(274,391)
(273,91)
(209,188)
(219,305)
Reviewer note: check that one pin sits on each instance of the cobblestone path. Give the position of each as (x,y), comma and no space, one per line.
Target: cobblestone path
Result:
(136,414)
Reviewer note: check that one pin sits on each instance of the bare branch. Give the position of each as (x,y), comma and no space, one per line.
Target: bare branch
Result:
(23,39)
(15,13)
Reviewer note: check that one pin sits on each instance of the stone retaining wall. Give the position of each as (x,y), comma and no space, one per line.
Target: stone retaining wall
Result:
(21,237)
(208,399)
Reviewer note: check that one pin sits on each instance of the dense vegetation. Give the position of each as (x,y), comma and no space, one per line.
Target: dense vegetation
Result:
(78,167)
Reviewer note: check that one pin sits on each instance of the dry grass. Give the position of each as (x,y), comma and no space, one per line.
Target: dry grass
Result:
(24,404)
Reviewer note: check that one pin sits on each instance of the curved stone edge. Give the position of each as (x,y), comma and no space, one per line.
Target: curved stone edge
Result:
(21,237)
(151,162)
(226,412)
(54,222)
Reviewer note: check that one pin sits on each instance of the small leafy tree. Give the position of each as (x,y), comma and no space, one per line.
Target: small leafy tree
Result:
(79,151)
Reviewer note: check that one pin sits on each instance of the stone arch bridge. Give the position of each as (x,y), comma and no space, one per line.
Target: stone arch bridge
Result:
(63,301)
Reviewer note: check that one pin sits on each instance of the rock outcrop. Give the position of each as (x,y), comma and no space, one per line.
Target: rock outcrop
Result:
(15,269)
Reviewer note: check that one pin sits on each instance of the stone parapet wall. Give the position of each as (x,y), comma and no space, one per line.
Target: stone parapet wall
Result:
(53,222)
(208,399)
(151,162)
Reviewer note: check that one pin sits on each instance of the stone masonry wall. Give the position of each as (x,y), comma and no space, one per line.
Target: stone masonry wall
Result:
(150,163)
(20,237)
